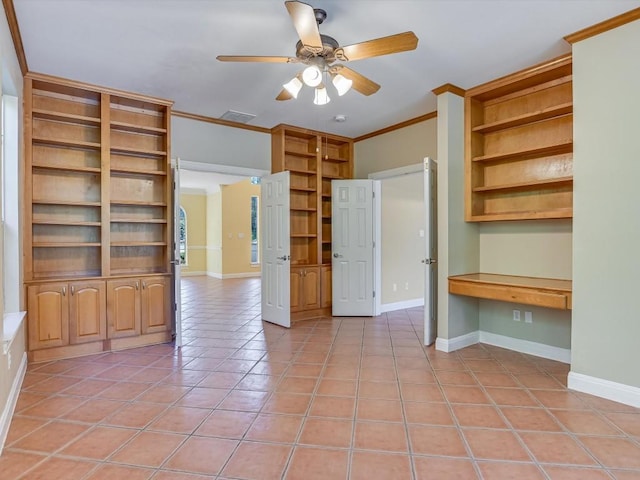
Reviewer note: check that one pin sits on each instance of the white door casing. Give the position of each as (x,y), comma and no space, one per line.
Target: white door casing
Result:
(352,248)
(431,251)
(276,248)
(177,302)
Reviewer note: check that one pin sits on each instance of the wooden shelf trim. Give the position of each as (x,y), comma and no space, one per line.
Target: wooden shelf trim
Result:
(137,171)
(71,203)
(300,154)
(334,159)
(69,223)
(65,244)
(544,114)
(301,170)
(302,209)
(67,168)
(138,151)
(557,149)
(137,203)
(541,292)
(138,244)
(303,235)
(302,189)
(532,185)
(65,117)
(524,215)
(66,143)
(130,127)
(332,176)
(130,220)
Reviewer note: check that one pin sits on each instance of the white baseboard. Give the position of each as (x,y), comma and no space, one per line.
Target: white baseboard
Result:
(618,392)
(192,274)
(224,276)
(456,343)
(525,346)
(392,307)
(7,413)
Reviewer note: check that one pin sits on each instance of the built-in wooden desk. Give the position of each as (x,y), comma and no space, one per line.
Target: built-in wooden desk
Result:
(542,292)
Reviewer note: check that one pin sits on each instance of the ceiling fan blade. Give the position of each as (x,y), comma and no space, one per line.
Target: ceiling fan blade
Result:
(253,58)
(401,42)
(284,95)
(304,21)
(360,83)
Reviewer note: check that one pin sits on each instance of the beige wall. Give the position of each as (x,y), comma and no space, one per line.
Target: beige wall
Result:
(195,206)
(398,148)
(540,248)
(236,228)
(403,217)
(606,330)
(9,69)
(214,234)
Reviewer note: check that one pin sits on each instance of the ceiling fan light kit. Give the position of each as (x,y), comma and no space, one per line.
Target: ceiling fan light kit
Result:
(321,52)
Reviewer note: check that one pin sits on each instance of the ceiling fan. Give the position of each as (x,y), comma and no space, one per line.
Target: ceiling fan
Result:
(320,53)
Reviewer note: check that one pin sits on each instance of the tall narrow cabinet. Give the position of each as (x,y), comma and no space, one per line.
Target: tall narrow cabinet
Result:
(97,213)
(313,159)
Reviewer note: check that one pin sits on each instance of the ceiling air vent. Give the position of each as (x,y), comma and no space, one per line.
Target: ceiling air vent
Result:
(238,117)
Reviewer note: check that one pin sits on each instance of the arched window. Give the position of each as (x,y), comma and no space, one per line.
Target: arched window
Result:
(182,219)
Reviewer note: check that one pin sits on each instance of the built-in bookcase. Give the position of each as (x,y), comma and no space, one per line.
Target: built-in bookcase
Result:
(97,206)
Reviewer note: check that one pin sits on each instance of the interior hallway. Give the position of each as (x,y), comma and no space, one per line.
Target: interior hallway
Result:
(328,399)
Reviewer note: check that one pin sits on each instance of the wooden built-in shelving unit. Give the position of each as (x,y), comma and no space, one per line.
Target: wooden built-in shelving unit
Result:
(313,159)
(519,145)
(97,208)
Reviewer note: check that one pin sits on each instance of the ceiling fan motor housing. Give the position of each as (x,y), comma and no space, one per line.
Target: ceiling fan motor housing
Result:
(329,47)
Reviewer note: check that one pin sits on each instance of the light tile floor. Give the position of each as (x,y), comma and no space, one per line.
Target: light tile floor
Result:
(356,398)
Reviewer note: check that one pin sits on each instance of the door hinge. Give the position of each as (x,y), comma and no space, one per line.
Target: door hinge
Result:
(374,294)
(373,194)
(374,244)
(175,307)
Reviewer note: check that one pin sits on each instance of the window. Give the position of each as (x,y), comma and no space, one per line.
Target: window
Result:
(183,236)
(255,180)
(254,229)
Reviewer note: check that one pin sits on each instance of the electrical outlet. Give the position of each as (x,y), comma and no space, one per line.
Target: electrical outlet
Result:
(528,317)
(516,315)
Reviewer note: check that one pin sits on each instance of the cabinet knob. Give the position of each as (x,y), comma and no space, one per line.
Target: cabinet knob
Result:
(73,290)
(137,285)
(64,291)
(144,285)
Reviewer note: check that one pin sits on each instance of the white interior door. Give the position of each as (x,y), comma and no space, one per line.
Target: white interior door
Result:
(177,303)
(352,248)
(276,249)
(431,252)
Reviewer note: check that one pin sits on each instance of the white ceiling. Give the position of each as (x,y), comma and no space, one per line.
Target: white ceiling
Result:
(167,48)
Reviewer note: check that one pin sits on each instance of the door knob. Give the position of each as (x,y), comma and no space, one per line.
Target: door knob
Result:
(284,258)
(428,261)
(337,255)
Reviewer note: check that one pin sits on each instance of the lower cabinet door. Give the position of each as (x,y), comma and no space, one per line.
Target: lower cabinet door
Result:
(325,286)
(295,288)
(156,299)
(311,288)
(87,312)
(48,313)
(123,307)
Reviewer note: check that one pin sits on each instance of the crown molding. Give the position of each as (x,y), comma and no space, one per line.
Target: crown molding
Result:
(12,20)
(450,88)
(605,26)
(397,126)
(218,121)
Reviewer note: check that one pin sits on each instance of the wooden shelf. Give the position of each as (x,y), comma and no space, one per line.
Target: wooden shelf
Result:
(129,220)
(138,244)
(333,159)
(333,177)
(67,168)
(64,117)
(37,201)
(131,127)
(532,185)
(303,235)
(544,114)
(302,189)
(136,171)
(138,151)
(524,215)
(300,154)
(302,171)
(138,203)
(65,244)
(549,150)
(69,223)
(302,209)
(66,143)
(541,292)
